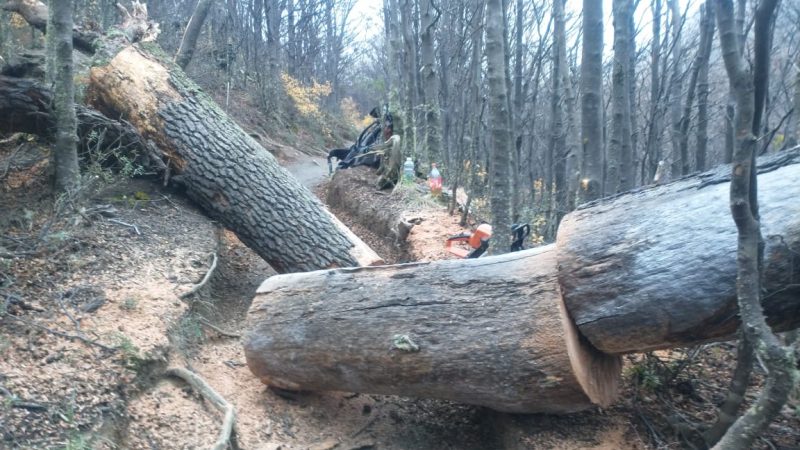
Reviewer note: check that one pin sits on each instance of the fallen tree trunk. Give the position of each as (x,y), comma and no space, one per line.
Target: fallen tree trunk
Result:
(488,331)
(224,170)
(383,221)
(657,268)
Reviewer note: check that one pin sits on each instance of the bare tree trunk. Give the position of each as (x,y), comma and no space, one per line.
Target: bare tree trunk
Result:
(500,134)
(780,360)
(592,100)
(59,52)
(558,144)
(676,88)
(410,69)
(291,41)
(620,154)
(707,28)
(273,55)
(630,169)
(700,62)
(516,128)
(186,49)
(653,146)
(729,410)
(430,84)
(797,102)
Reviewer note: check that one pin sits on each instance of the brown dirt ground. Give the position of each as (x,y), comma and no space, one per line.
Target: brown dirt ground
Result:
(99,282)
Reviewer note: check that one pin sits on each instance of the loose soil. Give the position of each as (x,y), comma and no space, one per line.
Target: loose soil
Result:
(93,315)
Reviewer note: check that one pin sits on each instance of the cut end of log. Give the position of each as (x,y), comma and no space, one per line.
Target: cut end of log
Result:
(598,373)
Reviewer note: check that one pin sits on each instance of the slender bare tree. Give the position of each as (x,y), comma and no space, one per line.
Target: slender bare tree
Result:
(189,41)
(592,100)
(59,53)
(779,360)
(500,147)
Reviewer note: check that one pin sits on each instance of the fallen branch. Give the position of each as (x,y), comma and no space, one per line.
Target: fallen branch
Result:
(135,228)
(219,330)
(71,337)
(205,279)
(212,396)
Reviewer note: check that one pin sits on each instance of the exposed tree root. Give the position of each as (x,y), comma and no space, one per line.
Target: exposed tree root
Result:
(211,395)
(205,279)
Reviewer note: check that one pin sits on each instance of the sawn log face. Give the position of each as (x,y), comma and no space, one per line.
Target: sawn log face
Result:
(484,331)
(656,268)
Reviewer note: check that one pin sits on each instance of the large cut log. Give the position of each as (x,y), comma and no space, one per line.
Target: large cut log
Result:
(488,331)
(228,173)
(653,268)
(223,169)
(656,268)
(383,221)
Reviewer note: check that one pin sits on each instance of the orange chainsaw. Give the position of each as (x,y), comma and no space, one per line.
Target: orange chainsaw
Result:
(478,241)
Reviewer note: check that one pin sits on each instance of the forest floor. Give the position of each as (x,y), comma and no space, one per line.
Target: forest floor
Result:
(92,315)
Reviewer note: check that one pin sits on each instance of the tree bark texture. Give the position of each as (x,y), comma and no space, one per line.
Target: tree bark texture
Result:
(592,100)
(707,26)
(476,331)
(381,221)
(189,41)
(430,84)
(636,281)
(653,150)
(25,106)
(499,118)
(224,170)
(490,331)
(558,136)
(700,62)
(59,53)
(676,89)
(620,154)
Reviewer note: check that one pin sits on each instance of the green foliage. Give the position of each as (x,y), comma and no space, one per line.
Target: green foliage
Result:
(645,375)
(129,353)
(106,160)
(129,304)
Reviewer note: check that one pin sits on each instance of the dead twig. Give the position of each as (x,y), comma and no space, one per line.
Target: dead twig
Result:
(129,225)
(17,402)
(200,385)
(205,279)
(219,330)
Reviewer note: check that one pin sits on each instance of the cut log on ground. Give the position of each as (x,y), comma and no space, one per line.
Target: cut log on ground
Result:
(490,332)
(656,268)
(229,174)
(382,221)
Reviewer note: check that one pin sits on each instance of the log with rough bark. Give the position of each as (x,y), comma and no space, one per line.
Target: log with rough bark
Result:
(383,221)
(656,268)
(222,168)
(653,268)
(229,174)
(488,331)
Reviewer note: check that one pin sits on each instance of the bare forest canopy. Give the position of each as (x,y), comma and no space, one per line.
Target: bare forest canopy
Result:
(664,98)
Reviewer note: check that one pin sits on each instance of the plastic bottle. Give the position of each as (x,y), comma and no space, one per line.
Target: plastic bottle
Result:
(435,180)
(408,169)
